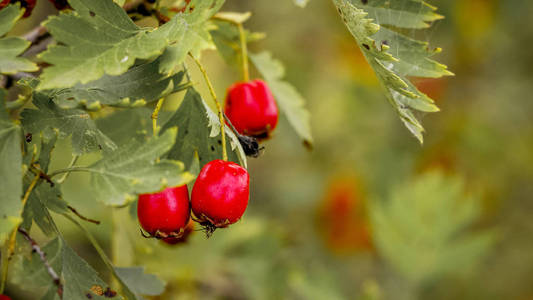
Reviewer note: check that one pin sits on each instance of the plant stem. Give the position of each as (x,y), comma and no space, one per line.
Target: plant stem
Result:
(244,53)
(72,163)
(35,248)
(217,103)
(66,170)
(12,239)
(155,114)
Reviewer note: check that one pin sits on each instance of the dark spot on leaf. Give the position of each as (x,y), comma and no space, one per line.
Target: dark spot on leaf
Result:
(366,46)
(70,98)
(384,42)
(29,137)
(109,293)
(199,158)
(99,146)
(364,1)
(219,142)
(89,296)
(344,20)
(92,13)
(339,10)
(212,148)
(186,131)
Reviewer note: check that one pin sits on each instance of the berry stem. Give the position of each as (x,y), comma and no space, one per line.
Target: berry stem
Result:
(155,114)
(244,53)
(219,107)
(72,163)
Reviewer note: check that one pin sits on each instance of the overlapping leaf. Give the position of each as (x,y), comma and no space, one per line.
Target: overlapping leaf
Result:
(69,122)
(422,230)
(199,132)
(140,282)
(139,85)
(134,169)
(99,38)
(12,47)
(394,56)
(289,100)
(10,172)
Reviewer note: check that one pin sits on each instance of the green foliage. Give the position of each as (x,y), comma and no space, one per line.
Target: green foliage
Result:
(99,38)
(77,123)
(141,283)
(199,131)
(423,228)
(135,168)
(11,47)
(289,100)
(394,56)
(139,85)
(10,171)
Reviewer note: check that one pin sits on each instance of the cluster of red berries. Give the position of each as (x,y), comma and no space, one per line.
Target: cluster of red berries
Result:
(220,194)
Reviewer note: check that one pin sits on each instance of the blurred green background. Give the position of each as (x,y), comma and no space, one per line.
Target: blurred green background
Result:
(369,213)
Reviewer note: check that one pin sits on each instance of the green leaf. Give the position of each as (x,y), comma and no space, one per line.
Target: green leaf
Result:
(43,197)
(227,39)
(99,38)
(10,172)
(123,125)
(199,132)
(134,169)
(11,47)
(404,13)
(141,283)
(69,122)
(190,34)
(139,85)
(423,228)
(289,100)
(394,56)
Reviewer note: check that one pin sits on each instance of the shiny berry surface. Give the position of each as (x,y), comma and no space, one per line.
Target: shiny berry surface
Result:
(220,194)
(251,108)
(164,213)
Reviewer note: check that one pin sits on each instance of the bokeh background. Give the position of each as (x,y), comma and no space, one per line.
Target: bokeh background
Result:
(369,213)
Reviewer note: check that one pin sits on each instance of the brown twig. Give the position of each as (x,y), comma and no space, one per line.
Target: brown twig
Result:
(72,209)
(35,248)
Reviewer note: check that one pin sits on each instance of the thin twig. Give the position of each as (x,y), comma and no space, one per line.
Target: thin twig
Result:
(155,114)
(217,103)
(72,209)
(244,53)
(34,34)
(72,163)
(35,248)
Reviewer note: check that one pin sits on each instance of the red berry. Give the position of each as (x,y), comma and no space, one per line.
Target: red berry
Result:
(183,239)
(4,297)
(164,213)
(220,194)
(27,4)
(251,108)
(60,4)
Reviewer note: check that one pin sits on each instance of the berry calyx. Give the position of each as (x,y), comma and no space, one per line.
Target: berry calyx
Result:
(189,229)
(27,4)
(251,108)
(164,214)
(220,194)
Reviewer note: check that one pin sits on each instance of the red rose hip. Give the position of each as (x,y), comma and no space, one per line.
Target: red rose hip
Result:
(251,108)
(220,194)
(4,297)
(166,213)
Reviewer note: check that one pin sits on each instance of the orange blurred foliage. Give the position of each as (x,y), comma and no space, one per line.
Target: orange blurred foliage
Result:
(342,219)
